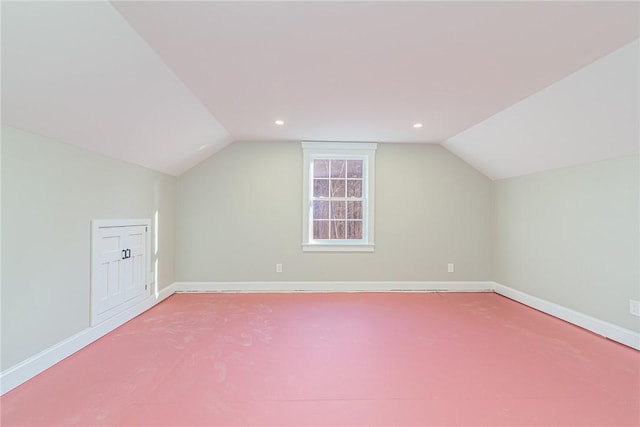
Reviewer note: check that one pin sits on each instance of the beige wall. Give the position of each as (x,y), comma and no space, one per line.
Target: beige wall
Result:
(570,236)
(50,193)
(239,213)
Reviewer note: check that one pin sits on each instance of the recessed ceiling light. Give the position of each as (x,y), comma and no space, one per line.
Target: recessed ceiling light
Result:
(417,125)
(279,122)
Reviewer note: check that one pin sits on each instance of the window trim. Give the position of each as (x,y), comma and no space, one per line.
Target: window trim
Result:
(339,150)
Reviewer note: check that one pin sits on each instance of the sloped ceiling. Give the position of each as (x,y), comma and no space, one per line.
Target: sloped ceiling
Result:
(590,115)
(166,84)
(77,72)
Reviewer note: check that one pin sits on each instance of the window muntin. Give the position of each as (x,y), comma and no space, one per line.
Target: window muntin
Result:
(337,199)
(338,196)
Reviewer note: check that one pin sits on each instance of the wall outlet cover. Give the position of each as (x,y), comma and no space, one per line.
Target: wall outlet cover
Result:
(634,307)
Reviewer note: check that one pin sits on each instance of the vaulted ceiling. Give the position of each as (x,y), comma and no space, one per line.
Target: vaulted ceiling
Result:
(166,84)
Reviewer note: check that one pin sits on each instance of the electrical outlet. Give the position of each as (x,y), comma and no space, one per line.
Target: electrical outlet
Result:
(634,307)
(278,268)
(450,268)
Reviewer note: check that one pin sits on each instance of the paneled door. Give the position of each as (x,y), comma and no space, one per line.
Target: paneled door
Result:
(119,266)
(109,269)
(135,280)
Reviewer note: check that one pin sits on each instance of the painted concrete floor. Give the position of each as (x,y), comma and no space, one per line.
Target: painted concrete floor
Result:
(338,359)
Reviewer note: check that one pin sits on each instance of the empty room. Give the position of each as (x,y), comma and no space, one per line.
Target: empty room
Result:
(320,213)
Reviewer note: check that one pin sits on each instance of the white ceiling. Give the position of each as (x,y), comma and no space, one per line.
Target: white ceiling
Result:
(153,82)
(77,72)
(591,115)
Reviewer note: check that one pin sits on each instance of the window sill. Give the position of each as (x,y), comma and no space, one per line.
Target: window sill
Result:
(320,247)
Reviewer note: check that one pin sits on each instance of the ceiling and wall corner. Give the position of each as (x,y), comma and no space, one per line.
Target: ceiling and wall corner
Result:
(167,84)
(77,72)
(588,116)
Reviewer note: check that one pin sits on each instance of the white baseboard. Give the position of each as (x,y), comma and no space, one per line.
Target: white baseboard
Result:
(29,368)
(329,286)
(600,327)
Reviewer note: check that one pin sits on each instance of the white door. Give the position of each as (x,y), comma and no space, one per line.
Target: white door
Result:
(118,267)
(135,265)
(109,260)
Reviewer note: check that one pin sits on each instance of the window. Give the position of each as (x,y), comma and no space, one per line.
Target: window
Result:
(338,196)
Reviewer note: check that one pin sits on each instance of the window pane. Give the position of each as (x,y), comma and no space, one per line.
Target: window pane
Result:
(354,168)
(321,168)
(338,168)
(320,209)
(354,230)
(337,230)
(320,188)
(337,187)
(338,210)
(354,188)
(320,229)
(339,190)
(354,210)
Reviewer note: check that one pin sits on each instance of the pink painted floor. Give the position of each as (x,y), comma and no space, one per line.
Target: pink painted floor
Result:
(365,359)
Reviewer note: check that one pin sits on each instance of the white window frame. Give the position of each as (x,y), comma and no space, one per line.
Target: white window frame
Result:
(348,151)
